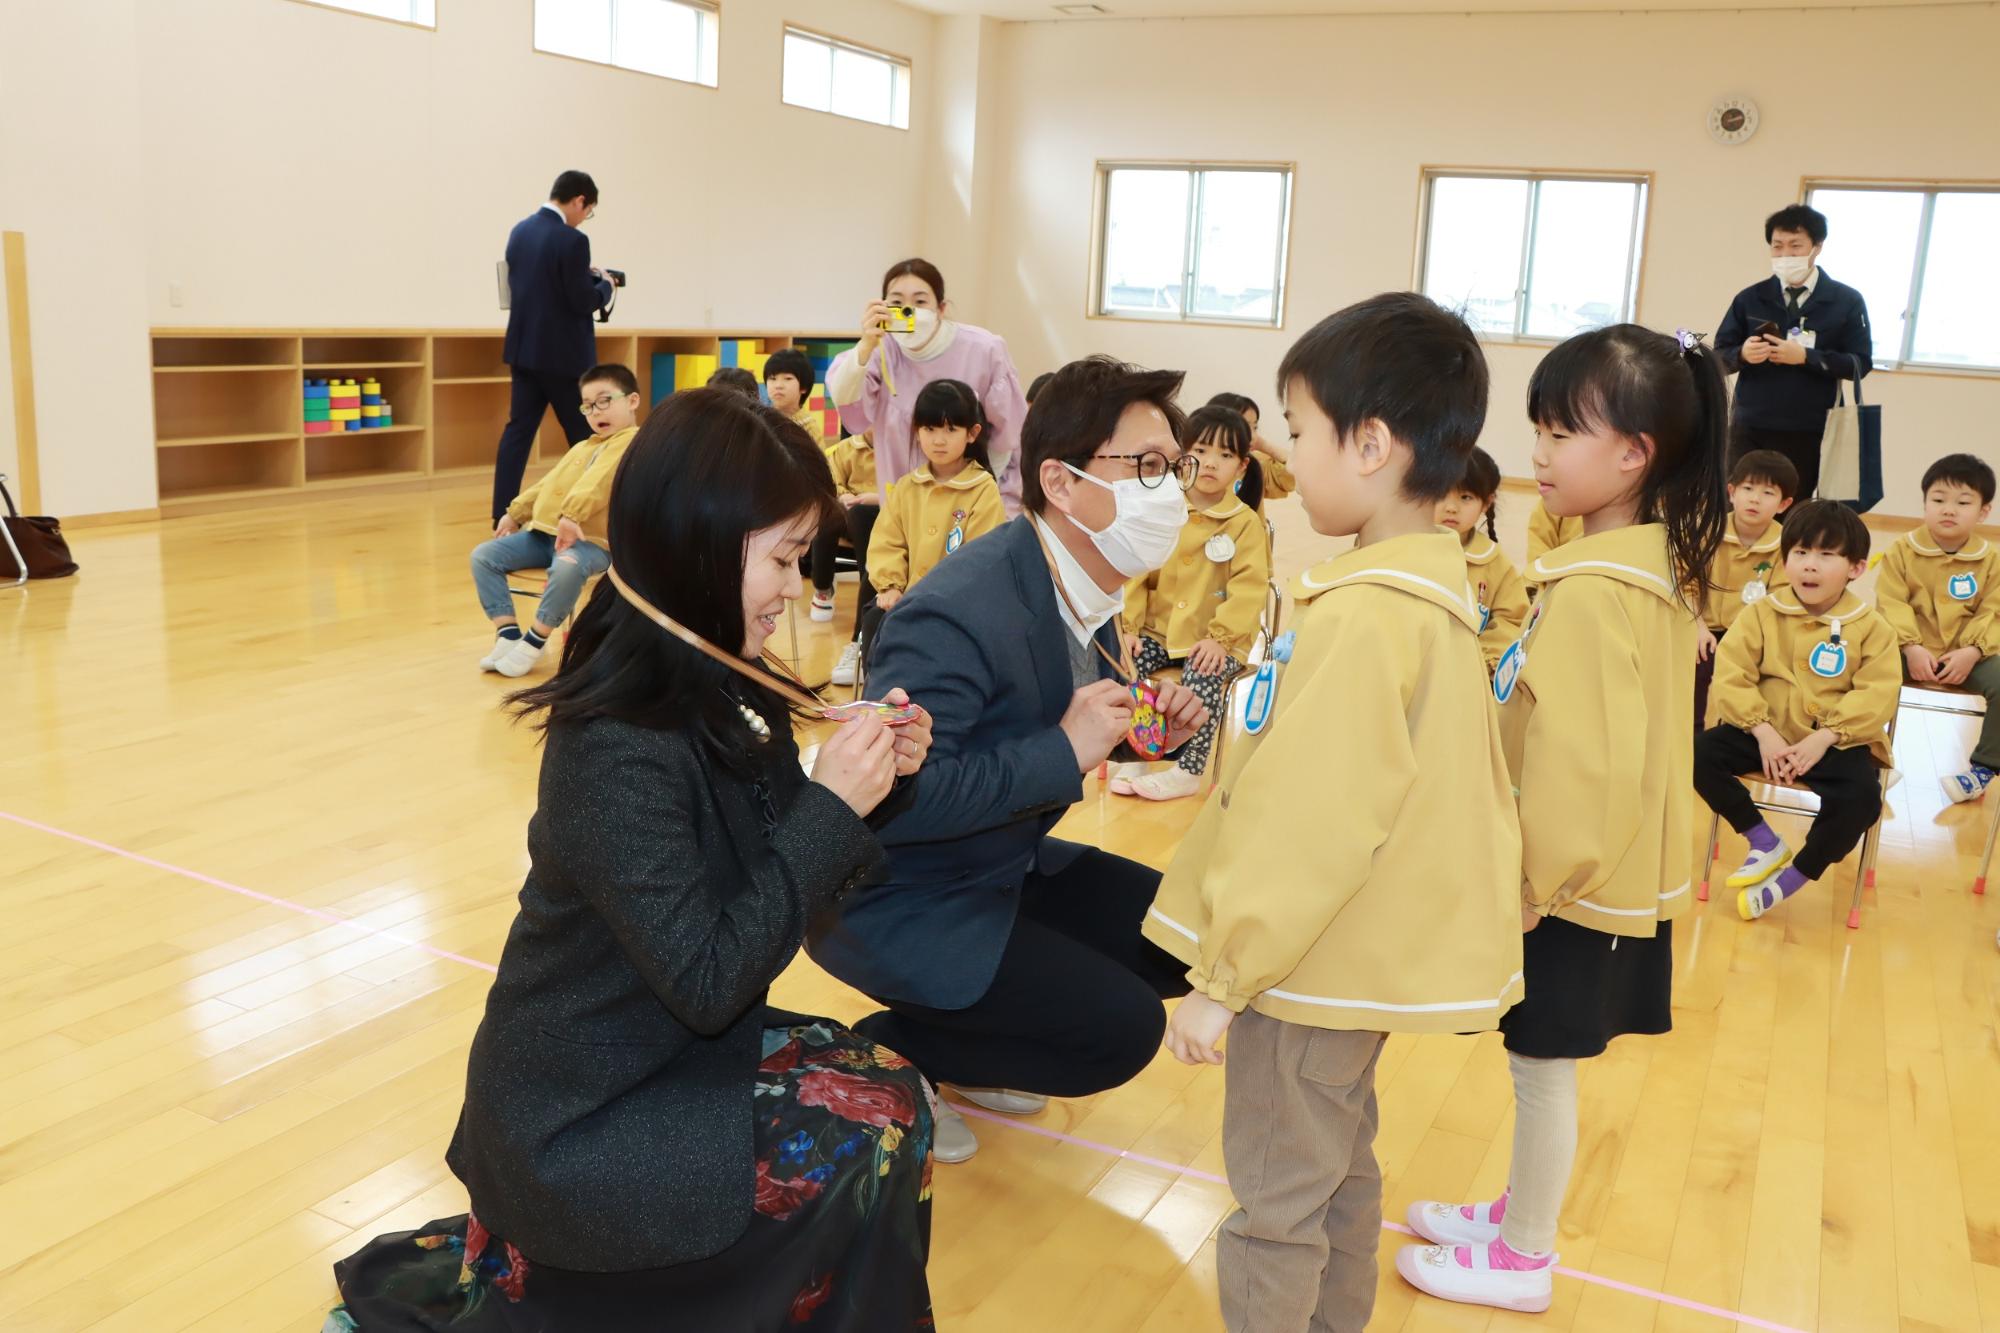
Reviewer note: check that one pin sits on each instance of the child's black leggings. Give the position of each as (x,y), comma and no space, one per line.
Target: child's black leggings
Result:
(860,526)
(1847,782)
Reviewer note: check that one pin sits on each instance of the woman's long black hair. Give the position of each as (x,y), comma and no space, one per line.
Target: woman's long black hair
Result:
(1631,381)
(706,471)
(953,403)
(1482,478)
(1224,424)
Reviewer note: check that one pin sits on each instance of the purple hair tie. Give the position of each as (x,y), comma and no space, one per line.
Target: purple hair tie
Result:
(1688,341)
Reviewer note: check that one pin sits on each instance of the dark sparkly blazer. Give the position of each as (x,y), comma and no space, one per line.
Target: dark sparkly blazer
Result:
(607,1118)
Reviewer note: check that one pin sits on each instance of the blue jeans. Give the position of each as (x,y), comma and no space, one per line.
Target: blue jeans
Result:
(493,561)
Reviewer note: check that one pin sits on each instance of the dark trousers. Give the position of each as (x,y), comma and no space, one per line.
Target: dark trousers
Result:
(1075,1005)
(1704,674)
(1801,446)
(535,391)
(1847,782)
(859,528)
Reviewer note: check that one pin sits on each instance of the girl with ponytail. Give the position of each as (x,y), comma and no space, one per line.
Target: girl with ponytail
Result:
(1596,705)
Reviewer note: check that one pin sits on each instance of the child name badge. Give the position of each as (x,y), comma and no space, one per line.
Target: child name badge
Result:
(1962,587)
(1507,671)
(1263,690)
(1828,658)
(1219,548)
(956,537)
(1485,611)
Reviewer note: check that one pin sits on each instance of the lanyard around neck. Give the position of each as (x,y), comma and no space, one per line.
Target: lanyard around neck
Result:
(1128,673)
(795,691)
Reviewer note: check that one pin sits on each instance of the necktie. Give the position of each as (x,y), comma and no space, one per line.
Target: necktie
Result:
(1794,299)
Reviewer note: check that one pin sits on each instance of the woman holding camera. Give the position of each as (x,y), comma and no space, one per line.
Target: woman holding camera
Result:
(876,385)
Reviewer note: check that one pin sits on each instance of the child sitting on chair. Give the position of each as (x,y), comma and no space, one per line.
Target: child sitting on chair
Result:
(1935,589)
(1748,565)
(1805,685)
(557,524)
(788,382)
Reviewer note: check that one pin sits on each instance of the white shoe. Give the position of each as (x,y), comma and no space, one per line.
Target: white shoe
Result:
(951,1137)
(1967,786)
(1436,1271)
(849,665)
(496,652)
(822,610)
(519,659)
(1760,866)
(1005,1100)
(1447,1224)
(1169,785)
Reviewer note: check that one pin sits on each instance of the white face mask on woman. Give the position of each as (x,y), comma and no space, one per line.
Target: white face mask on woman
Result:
(1146,526)
(926,320)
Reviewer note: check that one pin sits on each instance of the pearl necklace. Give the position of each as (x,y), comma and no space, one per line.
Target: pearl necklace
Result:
(755,721)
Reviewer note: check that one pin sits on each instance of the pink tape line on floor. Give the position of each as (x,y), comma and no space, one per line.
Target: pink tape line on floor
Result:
(1010,1122)
(321,913)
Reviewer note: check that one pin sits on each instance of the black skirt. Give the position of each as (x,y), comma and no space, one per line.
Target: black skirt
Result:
(1586,987)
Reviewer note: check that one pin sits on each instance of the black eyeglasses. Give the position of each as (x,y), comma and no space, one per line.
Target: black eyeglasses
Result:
(1153,467)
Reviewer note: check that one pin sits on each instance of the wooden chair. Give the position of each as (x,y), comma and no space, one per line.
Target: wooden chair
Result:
(1959,694)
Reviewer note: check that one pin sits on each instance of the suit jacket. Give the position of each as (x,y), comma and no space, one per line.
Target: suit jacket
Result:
(608,1123)
(979,643)
(554,294)
(1777,397)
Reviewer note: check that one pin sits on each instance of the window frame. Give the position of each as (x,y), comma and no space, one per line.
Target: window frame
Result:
(1930,187)
(1094,306)
(711,8)
(1639,244)
(904,63)
(334,7)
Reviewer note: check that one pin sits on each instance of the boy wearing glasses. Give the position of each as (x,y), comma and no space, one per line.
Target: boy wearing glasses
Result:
(557,524)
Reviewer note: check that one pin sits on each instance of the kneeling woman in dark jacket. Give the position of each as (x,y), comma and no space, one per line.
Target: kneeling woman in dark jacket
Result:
(645,1144)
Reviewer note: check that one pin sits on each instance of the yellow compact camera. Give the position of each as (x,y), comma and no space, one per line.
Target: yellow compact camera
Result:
(902,319)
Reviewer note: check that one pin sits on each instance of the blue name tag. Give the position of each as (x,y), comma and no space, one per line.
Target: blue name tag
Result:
(1963,587)
(1507,672)
(1828,660)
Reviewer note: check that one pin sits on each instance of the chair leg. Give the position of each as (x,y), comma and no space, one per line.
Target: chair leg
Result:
(1714,849)
(1992,836)
(1861,876)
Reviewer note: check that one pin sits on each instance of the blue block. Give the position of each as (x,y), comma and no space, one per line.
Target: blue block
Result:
(371,400)
(663,375)
(352,425)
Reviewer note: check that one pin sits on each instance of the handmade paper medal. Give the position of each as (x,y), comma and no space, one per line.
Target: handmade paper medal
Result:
(1756,589)
(1219,548)
(1962,587)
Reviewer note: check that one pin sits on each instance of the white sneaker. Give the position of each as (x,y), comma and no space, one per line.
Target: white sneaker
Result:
(496,652)
(1438,1271)
(1169,785)
(519,659)
(849,665)
(1967,786)
(1447,1224)
(951,1138)
(822,607)
(1760,866)
(1005,1100)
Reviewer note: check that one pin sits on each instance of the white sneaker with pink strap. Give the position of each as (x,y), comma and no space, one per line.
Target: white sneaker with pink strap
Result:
(1480,1275)
(1458,1223)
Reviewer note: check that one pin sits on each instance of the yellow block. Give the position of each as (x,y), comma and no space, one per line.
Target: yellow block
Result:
(692,372)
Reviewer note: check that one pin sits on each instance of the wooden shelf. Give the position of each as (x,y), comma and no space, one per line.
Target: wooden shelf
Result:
(254,437)
(364,365)
(475,379)
(199,494)
(370,432)
(348,481)
(221,370)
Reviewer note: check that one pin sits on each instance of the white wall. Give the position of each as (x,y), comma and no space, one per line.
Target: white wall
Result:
(1362,103)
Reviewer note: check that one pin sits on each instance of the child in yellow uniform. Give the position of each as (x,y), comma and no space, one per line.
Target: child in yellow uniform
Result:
(1355,872)
(1597,703)
(938,508)
(1497,587)
(1805,686)
(1274,457)
(1748,565)
(1546,531)
(1935,588)
(557,524)
(1199,611)
(852,461)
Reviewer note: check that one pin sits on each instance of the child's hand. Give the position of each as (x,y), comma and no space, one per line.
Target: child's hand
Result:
(1206,657)
(1922,665)
(1771,749)
(1131,645)
(1184,711)
(1956,665)
(848,501)
(506,527)
(1197,1025)
(1704,646)
(1530,918)
(886,598)
(1800,759)
(869,498)
(568,534)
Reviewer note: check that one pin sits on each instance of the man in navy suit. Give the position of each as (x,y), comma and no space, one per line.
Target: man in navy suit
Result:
(553,291)
(1791,339)
(1010,963)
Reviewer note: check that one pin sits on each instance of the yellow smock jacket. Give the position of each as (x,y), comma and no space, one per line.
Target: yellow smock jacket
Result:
(1736,566)
(1546,531)
(1597,729)
(1278,479)
(1841,671)
(1499,590)
(578,488)
(919,515)
(814,424)
(1941,599)
(1212,587)
(1355,866)
(853,464)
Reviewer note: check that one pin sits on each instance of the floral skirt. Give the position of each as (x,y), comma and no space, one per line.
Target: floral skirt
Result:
(837,1242)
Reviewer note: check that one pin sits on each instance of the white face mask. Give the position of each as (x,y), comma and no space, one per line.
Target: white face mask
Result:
(1146,526)
(1792,270)
(926,320)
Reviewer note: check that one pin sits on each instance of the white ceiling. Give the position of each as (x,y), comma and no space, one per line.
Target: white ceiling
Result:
(1128,9)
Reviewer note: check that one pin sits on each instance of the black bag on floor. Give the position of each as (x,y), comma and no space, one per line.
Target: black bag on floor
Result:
(35,542)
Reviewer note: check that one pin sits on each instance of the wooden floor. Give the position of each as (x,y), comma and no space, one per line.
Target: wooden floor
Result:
(207,1097)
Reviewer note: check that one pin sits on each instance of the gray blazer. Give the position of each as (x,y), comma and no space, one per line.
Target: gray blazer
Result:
(978,642)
